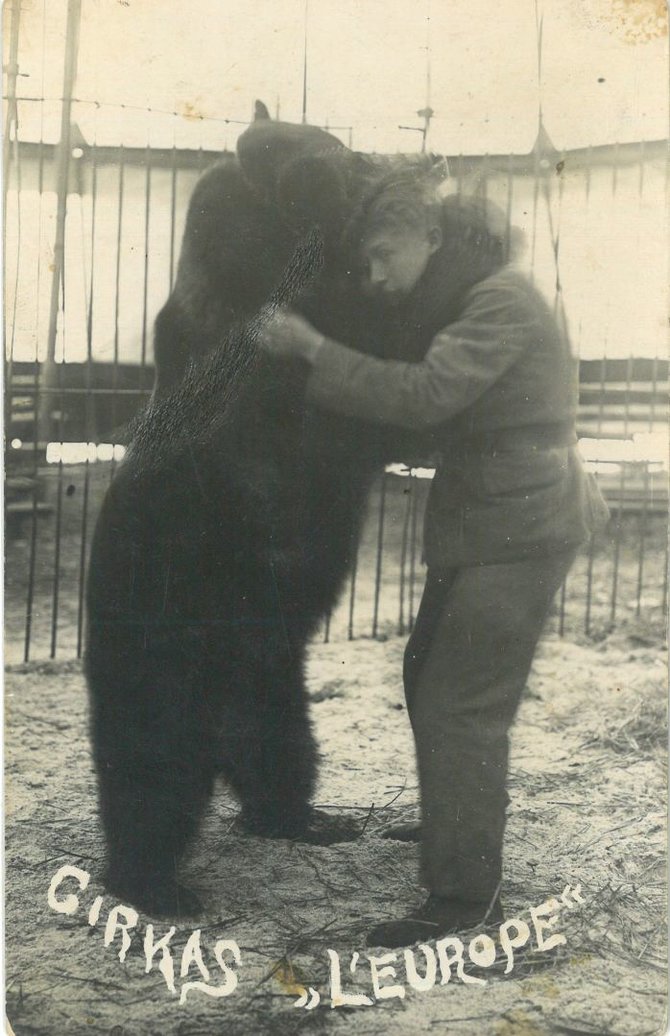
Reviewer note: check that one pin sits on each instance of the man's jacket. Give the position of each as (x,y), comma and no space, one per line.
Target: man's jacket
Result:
(496,394)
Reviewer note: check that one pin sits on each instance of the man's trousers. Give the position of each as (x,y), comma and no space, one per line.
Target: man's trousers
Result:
(466,665)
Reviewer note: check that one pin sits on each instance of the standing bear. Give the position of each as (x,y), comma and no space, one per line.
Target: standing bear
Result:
(230,526)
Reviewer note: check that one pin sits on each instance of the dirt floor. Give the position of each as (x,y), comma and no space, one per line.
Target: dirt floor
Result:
(588,811)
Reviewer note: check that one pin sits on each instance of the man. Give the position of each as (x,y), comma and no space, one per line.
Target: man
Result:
(495,392)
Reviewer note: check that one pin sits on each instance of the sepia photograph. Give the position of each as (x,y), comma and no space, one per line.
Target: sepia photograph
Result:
(336,517)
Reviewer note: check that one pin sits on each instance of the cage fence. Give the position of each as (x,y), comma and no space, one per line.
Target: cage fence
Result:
(92,235)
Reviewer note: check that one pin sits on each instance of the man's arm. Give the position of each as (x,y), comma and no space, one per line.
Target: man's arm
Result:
(465,359)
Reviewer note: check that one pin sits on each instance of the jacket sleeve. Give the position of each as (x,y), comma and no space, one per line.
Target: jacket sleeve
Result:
(498,324)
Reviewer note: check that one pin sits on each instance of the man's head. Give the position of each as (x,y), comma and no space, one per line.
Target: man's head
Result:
(401,230)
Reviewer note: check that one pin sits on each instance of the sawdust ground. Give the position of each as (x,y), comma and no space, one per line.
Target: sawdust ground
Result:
(588,807)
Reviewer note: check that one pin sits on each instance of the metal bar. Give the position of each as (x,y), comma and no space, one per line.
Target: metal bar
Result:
(173,205)
(616,567)
(412,559)
(589,584)
(559,307)
(508,210)
(664,602)
(352,592)
(30,595)
(50,369)
(587,202)
(304,66)
(88,419)
(64,147)
(57,551)
(380,545)
(12,71)
(654,390)
(640,180)
(617,547)
(533,247)
(8,358)
(11,119)
(589,578)
(32,557)
(484,182)
(59,496)
(403,553)
(73,390)
(145,287)
(643,542)
(601,394)
(629,382)
(561,608)
(117,290)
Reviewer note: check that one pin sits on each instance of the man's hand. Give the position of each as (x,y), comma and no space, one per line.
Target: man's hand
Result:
(288,334)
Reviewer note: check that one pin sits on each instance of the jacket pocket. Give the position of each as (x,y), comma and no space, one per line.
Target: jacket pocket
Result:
(522,470)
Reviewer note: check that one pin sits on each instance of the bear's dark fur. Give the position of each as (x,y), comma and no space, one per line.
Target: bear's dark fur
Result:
(222,542)
(244,220)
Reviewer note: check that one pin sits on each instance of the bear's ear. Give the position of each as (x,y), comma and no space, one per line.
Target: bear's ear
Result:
(261,112)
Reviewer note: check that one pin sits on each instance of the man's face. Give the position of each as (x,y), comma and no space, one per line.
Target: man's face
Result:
(395,259)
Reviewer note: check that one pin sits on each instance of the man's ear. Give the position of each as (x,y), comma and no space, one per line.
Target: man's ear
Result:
(435,238)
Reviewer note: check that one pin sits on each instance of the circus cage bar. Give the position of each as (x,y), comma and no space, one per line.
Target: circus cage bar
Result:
(92,235)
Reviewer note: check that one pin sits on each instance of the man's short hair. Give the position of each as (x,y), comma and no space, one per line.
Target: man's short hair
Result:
(401,193)
(410,205)
(407,196)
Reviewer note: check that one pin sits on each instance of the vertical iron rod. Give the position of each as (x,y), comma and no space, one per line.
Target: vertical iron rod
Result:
(64,156)
(117,299)
(589,583)
(90,436)
(618,530)
(32,559)
(643,540)
(304,68)
(664,601)
(561,611)
(412,557)
(145,286)
(378,565)
(12,70)
(508,211)
(403,552)
(352,593)
(55,599)
(173,204)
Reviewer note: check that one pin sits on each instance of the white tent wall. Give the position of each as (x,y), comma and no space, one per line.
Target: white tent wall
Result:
(612,256)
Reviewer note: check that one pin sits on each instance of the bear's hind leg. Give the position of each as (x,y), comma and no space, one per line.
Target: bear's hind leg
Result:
(269,756)
(150,809)
(267,752)
(270,762)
